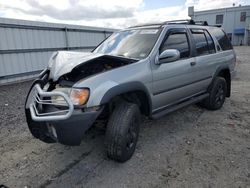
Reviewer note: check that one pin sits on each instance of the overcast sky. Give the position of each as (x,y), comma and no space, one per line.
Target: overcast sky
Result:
(107,13)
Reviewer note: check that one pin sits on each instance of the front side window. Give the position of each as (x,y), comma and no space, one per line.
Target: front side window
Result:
(201,44)
(179,42)
(219,19)
(134,43)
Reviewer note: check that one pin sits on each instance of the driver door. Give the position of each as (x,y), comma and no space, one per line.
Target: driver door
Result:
(174,81)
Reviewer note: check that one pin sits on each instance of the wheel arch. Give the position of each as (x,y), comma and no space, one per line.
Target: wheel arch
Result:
(134,92)
(224,72)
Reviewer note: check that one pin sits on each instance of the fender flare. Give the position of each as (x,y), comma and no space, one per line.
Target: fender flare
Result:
(219,69)
(217,72)
(125,88)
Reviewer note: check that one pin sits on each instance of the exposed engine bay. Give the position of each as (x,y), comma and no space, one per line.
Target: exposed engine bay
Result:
(92,67)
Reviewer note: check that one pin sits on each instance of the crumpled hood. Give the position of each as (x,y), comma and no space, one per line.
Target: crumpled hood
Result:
(63,62)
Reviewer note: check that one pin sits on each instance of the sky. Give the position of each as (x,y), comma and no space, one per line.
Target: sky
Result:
(107,13)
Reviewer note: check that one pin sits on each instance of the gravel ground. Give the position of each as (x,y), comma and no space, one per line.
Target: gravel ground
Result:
(191,147)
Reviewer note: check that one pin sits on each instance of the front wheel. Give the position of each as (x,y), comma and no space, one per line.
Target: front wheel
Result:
(217,94)
(122,131)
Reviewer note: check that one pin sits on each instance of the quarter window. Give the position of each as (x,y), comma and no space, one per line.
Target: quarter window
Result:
(179,42)
(222,38)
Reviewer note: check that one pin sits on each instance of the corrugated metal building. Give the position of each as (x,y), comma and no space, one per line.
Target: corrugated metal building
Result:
(26,46)
(234,20)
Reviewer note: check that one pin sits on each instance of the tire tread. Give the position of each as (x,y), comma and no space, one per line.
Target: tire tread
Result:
(116,127)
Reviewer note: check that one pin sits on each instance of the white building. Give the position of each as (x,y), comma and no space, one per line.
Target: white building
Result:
(234,20)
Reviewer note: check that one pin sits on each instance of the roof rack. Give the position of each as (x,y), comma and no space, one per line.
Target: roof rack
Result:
(201,23)
(146,25)
(216,25)
(188,21)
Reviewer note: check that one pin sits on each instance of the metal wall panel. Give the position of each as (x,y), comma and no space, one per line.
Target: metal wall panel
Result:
(26,46)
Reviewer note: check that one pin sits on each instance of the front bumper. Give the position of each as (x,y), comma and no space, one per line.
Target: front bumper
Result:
(68,132)
(51,124)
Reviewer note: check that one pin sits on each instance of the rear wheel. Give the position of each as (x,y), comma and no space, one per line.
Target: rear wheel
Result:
(122,132)
(217,94)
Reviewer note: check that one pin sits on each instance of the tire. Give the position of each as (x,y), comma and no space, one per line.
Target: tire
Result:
(122,132)
(217,95)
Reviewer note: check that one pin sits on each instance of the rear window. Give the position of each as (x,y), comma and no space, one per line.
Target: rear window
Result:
(222,38)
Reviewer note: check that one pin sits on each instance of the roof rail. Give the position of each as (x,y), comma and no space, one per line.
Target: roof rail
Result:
(187,21)
(201,23)
(216,25)
(146,25)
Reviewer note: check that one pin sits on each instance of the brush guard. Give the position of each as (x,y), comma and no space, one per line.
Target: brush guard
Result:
(37,104)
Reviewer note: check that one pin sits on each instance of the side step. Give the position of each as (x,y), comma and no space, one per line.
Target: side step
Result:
(174,107)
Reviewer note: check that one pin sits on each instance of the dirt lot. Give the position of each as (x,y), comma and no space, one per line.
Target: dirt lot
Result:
(192,147)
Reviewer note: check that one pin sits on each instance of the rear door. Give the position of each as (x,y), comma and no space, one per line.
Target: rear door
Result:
(205,55)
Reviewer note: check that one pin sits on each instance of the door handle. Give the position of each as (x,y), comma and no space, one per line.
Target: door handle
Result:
(193,63)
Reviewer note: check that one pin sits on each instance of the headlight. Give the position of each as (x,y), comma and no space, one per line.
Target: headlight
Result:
(79,96)
(58,100)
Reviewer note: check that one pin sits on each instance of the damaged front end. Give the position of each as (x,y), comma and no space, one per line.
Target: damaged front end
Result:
(74,66)
(55,110)
(52,116)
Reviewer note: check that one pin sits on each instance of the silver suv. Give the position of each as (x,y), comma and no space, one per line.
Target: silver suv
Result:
(148,70)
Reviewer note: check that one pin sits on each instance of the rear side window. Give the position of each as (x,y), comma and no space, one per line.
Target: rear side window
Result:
(179,42)
(201,43)
(210,42)
(222,38)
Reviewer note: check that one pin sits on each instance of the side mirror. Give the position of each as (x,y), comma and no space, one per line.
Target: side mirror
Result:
(169,55)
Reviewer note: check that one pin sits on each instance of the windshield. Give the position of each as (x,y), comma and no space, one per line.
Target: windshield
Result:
(134,43)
